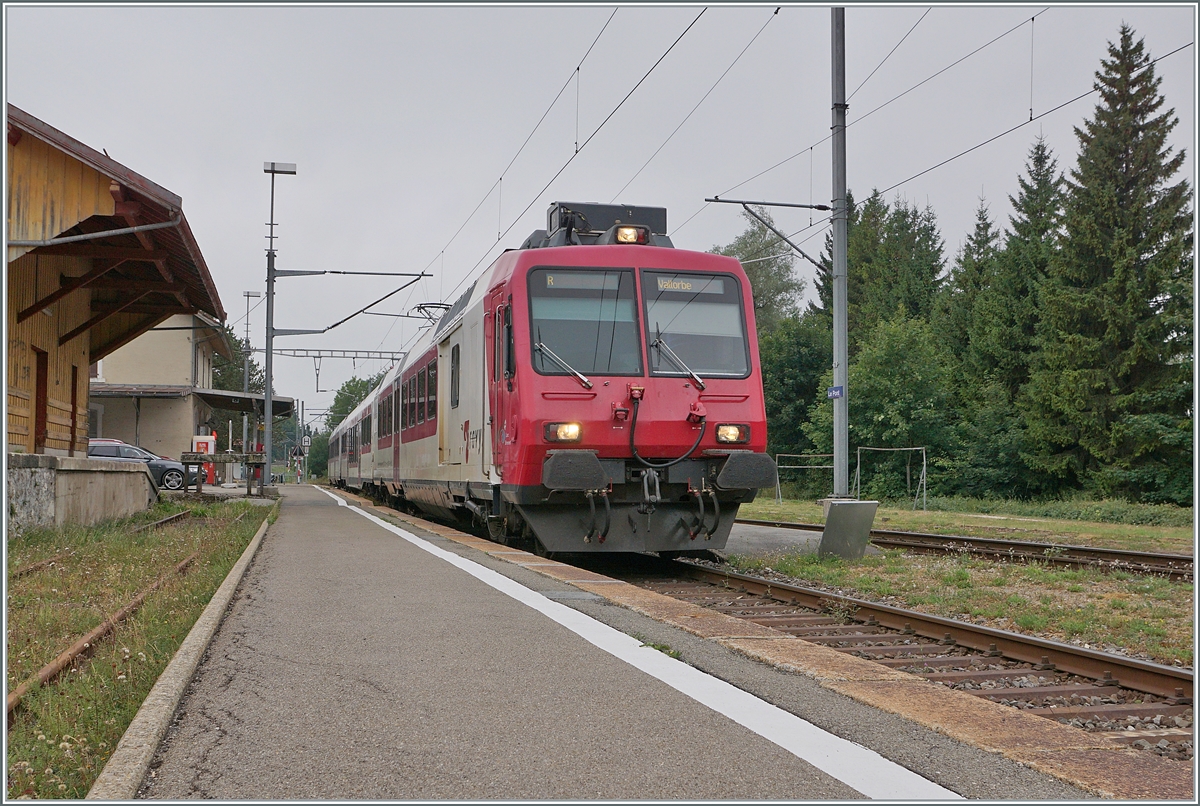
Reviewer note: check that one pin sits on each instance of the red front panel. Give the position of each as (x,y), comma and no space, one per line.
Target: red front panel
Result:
(605,411)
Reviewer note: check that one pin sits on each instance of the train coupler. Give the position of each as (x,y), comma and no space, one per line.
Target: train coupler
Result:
(696,528)
(650,499)
(593,531)
(716,515)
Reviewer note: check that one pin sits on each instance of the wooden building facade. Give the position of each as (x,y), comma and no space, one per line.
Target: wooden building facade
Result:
(97,255)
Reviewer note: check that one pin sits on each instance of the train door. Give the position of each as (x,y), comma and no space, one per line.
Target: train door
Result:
(453,419)
(397,413)
(501,390)
(478,448)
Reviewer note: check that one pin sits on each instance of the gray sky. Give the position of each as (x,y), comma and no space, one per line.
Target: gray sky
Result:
(403,119)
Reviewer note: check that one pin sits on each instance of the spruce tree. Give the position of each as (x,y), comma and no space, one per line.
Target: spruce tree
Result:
(1006,312)
(1108,402)
(1000,342)
(973,272)
(893,260)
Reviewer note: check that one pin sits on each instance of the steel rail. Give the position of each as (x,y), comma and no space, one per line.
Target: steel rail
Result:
(163,522)
(1175,566)
(1140,675)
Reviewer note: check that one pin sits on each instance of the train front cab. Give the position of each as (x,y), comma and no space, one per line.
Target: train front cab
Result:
(625,398)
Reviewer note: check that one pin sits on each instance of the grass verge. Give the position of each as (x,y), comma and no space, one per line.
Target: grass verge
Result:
(63,733)
(1143,616)
(983,523)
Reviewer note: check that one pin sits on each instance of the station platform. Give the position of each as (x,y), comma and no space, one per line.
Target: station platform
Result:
(370,655)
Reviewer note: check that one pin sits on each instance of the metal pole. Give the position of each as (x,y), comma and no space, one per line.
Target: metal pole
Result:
(296,422)
(268,411)
(841,420)
(246,379)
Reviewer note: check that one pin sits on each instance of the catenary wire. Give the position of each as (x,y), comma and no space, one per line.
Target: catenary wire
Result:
(987,141)
(498,182)
(541,120)
(1025,123)
(867,115)
(571,159)
(697,106)
(890,52)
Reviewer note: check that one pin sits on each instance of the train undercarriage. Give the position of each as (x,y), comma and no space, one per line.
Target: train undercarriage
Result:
(587,505)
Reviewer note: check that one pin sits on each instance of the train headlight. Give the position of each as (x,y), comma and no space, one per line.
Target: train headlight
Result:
(562,432)
(733,433)
(633,235)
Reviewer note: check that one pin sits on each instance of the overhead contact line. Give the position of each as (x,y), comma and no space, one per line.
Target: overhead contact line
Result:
(571,159)
(873,111)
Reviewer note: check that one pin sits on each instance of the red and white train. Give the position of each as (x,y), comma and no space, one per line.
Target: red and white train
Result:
(595,390)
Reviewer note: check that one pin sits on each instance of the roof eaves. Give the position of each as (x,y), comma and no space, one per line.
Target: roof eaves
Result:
(94,159)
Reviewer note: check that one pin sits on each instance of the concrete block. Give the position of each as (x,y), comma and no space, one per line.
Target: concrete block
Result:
(847,528)
(57,490)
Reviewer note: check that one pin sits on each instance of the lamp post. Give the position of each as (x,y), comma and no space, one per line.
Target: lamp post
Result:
(272,168)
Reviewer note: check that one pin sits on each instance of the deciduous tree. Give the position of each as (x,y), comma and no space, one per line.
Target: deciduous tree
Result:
(769,264)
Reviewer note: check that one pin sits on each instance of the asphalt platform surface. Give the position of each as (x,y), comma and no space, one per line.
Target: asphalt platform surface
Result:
(354,664)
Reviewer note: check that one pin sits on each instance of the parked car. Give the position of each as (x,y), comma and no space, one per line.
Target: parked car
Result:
(167,473)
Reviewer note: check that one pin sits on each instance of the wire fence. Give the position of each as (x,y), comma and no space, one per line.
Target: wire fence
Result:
(920,493)
(779,456)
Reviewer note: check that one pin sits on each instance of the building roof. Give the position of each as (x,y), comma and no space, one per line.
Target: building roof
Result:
(248,402)
(161,270)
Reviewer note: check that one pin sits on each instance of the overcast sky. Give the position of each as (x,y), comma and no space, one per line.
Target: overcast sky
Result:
(402,121)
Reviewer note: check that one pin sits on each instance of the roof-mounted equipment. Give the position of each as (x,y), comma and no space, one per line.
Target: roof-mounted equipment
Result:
(589,223)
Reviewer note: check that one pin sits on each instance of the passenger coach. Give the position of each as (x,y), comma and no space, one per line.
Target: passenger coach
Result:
(595,390)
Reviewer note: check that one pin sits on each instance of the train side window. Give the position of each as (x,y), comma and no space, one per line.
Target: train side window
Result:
(412,401)
(421,378)
(396,410)
(510,368)
(431,401)
(454,372)
(404,406)
(498,345)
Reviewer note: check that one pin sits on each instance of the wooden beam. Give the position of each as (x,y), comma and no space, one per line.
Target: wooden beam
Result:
(129,212)
(152,308)
(122,284)
(98,351)
(67,287)
(105,252)
(98,318)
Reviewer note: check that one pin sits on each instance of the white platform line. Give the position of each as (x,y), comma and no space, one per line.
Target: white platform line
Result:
(854,765)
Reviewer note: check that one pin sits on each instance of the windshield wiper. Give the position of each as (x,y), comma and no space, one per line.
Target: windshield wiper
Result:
(546,351)
(663,348)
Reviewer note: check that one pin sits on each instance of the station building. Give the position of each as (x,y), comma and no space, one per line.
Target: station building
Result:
(97,256)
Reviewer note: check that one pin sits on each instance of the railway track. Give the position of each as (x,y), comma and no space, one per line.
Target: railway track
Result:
(1173,566)
(1125,700)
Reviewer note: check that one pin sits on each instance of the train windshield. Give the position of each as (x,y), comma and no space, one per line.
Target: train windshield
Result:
(700,320)
(587,319)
